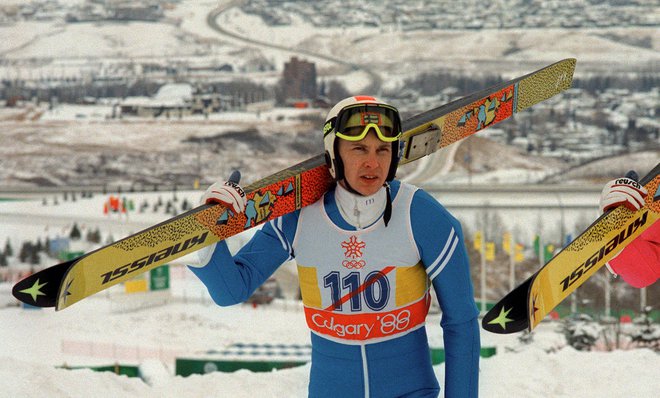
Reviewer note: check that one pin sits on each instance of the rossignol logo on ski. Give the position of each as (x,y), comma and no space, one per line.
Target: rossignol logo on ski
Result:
(606,249)
(152,258)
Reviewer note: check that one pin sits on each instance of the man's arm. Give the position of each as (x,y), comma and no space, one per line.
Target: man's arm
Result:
(460,325)
(232,279)
(439,238)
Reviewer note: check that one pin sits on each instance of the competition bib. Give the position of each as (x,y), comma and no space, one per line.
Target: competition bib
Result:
(366,285)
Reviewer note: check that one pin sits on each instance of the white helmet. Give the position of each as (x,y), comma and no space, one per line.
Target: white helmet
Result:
(351,119)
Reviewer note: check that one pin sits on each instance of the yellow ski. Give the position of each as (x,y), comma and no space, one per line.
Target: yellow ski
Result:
(525,306)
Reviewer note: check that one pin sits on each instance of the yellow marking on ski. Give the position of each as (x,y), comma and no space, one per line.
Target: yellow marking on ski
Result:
(35,290)
(502,319)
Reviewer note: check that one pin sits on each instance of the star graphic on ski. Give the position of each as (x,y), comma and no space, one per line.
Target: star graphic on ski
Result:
(502,318)
(533,308)
(35,290)
(66,292)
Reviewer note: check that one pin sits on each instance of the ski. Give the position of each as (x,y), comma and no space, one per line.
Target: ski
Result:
(64,284)
(526,305)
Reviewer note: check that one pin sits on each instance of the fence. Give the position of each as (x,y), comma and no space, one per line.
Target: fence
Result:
(119,352)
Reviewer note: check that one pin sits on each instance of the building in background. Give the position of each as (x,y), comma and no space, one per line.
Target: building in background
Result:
(298,83)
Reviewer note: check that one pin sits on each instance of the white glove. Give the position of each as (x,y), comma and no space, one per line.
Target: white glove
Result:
(228,193)
(622,191)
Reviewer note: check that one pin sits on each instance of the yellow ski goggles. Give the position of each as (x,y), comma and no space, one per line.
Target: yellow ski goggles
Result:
(353,123)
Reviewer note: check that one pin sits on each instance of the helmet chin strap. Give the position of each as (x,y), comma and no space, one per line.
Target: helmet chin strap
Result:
(387,215)
(388,204)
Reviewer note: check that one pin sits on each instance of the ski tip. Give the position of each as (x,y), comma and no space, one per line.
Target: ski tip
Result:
(510,314)
(504,319)
(35,291)
(40,289)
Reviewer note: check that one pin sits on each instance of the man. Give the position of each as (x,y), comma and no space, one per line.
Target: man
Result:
(639,262)
(368,253)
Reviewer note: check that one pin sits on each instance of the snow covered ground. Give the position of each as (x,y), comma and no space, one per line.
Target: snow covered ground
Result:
(138,329)
(35,341)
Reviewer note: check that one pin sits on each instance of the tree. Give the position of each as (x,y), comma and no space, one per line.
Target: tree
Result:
(185,205)
(9,251)
(34,257)
(75,232)
(93,236)
(25,252)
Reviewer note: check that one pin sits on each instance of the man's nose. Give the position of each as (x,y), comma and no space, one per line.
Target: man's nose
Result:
(371,161)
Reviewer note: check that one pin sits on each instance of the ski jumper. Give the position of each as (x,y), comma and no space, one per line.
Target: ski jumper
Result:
(366,294)
(639,263)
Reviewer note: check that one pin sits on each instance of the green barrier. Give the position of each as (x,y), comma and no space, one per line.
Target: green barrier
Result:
(68,256)
(123,370)
(186,367)
(438,354)
(487,352)
(489,304)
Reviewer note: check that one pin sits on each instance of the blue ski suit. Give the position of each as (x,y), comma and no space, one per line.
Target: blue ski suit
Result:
(366,294)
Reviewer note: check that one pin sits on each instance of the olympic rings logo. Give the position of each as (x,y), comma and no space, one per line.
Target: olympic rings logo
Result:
(352,264)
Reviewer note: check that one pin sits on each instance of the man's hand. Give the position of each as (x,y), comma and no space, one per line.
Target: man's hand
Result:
(622,191)
(228,193)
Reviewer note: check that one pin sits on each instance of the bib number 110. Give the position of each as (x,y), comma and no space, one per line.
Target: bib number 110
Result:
(375,291)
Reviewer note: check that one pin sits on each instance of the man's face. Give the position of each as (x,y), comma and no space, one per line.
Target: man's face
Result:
(366,163)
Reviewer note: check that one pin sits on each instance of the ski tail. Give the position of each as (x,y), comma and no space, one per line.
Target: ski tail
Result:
(509,315)
(40,289)
(529,303)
